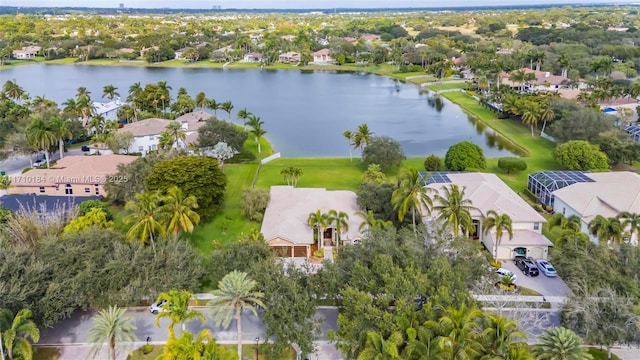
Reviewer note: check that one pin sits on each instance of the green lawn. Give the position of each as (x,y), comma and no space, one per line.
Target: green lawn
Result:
(601,354)
(329,173)
(13,63)
(539,151)
(248,351)
(447,86)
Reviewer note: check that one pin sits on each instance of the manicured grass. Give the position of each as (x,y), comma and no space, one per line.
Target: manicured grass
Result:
(448,86)
(601,354)
(527,292)
(46,353)
(329,173)
(14,63)
(539,151)
(248,351)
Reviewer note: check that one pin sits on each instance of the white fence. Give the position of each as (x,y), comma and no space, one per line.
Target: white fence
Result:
(270,158)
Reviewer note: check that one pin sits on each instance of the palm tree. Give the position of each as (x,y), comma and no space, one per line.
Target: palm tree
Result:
(71,108)
(111,326)
(349,136)
(369,221)
(164,93)
(411,195)
(630,221)
(235,294)
(341,221)
(500,335)
(244,114)
(166,141)
(319,221)
(178,211)
(201,100)
(459,333)
(258,132)
(362,136)
(177,310)
(16,332)
(606,229)
(215,106)
(531,115)
(227,106)
(634,89)
(573,222)
(202,346)
(500,223)
(177,132)
(110,92)
(546,115)
(135,91)
(565,63)
(61,129)
(379,348)
(85,108)
(561,344)
(454,209)
(40,135)
(12,90)
(143,214)
(5,183)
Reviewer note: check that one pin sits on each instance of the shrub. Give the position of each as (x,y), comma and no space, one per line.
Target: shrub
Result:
(86,206)
(432,163)
(581,155)
(384,151)
(465,156)
(496,264)
(254,202)
(146,349)
(242,157)
(530,195)
(319,253)
(374,174)
(510,164)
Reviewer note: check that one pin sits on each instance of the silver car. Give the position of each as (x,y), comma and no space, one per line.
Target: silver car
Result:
(546,268)
(505,272)
(157,307)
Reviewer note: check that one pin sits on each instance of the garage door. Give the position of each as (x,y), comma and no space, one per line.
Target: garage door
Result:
(282,251)
(300,251)
(504,252)
(536,252)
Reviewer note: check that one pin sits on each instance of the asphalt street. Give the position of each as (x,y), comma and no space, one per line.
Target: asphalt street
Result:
(15,164)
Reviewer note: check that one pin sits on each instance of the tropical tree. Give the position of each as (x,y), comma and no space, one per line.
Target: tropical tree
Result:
(40,135)
(244,114)
(111,326)
(144,218)
(319,221)
(500,336)
(349,136)
(199,347)
(362,136)
(163,92)
(110,92)
(5,183)
(531,115)
(16,332)
(630,223)
(235,294)
(561,344)
(12,90)
(176,131)
(166,141)
(214,105)
(411,195)
(177,211)
(201,100)
(341,221)
(256,130)
(71,108)
(501,223)
(606,229)
(291,175)
(454,209)
(378,348)
(565,63)
(177,310)
(61,129)
(458,333)
(546,115)
(227,106)
(573,222)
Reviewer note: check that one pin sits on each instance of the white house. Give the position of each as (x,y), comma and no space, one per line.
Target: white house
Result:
(289,57)
(180,53)
(487,192)
(609,194)
(146,133)
(323,57)
(254,58)
(27,52)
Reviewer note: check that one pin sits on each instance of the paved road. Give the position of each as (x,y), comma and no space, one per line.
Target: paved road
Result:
(15,164)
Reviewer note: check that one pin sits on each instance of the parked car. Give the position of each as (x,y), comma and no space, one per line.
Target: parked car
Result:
(84,148)
(39,162)
(546,268)
(157,307)
(505,272)
(527,266)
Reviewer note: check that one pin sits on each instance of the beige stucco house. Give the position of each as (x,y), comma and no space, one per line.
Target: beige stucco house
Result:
(285,226)
(71,176)
(487,192)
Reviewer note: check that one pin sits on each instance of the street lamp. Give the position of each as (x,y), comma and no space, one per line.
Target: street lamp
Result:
(257,347)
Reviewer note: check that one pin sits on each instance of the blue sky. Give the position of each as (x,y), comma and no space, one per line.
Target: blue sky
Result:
(294,4)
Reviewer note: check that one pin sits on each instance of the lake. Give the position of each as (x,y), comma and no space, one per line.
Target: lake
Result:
(305,112)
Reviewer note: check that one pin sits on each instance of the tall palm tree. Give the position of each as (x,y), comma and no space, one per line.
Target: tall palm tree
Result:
(110,92)
(258,132)
(565,63)
(561,344)
(201,100)
(12,90)
(227,106)
(378,348)
(177,310)
(369,221)
(573,222)
(40,135)
(500,335)
(455,209)
(165,97)
(362,136)
(531,115)
(411,195)
(546,115)
(144,217)
(166,141)
(630,223)
(111,326)
(458,333)
(135,91)
(177,132)
(178,212)
(341,221)
(85,108)
(319,221)
(235,294)
(501,223)
(71,108)
(61,129)
(214,105)
(16,332)
(606,229)
(634,89)
(349,136)
(244,114)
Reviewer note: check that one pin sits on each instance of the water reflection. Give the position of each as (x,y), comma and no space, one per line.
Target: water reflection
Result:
(435,102)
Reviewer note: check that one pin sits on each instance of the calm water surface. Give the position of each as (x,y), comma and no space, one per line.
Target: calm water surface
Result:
(305,113)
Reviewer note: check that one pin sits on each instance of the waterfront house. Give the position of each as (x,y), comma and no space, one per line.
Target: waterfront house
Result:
(323,57)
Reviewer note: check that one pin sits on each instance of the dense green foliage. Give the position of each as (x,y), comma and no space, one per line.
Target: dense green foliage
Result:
(581,155)
(432,163)
(86,206)
(194,175)
(216,131)
(510,164)
(384,151)
(254,202)
(465,156)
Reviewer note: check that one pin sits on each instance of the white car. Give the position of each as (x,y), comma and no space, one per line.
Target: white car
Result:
(505,272)
(38,163)
(157,307)
(546,268)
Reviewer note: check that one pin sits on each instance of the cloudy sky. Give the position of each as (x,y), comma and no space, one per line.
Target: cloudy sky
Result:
(292,4)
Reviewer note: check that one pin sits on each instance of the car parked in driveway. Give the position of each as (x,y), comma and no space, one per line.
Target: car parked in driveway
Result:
(505,272)
(546,268)
(85,148)
(527,266)
(157,307)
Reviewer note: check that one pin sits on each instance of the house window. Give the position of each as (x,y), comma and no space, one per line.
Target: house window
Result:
(68,189)
(564,211)
(57,187)
(42,189)
(151,138)
(536,226)
(140,148)
(87,190)
(154,147)
(97,190)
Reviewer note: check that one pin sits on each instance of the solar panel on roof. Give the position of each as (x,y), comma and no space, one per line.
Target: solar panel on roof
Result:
(437,177)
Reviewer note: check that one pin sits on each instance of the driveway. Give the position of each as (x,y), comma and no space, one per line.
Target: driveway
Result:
(547,286)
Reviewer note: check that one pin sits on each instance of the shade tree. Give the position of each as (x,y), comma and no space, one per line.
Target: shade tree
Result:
(215,131)
(465,156)
(383,151)
(581,155)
